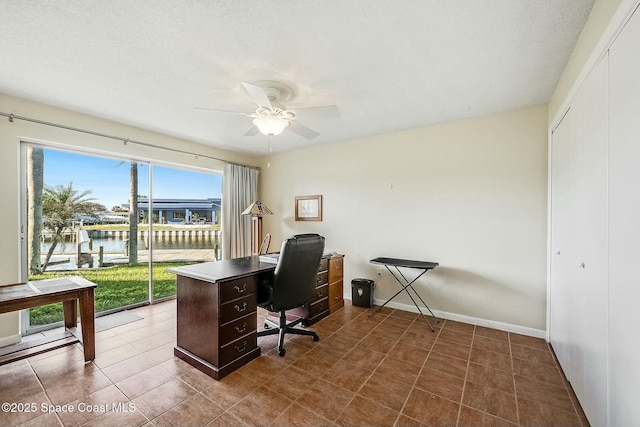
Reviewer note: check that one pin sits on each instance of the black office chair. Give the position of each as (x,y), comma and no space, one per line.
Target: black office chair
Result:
(293,284)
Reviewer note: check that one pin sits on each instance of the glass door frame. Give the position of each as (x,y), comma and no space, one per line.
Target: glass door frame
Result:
(25,327)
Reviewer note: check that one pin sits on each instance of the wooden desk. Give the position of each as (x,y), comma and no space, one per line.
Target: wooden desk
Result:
(68,290)
(217,313)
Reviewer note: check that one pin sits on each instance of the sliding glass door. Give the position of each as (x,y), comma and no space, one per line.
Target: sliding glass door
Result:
(101,219)
(184,223)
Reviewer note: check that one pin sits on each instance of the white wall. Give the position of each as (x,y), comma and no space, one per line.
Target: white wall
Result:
(471,195)
(12,133)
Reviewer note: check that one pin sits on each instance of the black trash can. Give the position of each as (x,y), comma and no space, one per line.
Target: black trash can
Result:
(362,292)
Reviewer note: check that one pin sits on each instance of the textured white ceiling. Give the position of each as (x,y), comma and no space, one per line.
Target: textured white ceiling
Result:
(387,65)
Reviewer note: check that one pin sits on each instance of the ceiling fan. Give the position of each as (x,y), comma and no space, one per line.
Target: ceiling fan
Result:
(272,117)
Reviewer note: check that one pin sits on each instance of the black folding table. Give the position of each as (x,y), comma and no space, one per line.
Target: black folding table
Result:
(396,263)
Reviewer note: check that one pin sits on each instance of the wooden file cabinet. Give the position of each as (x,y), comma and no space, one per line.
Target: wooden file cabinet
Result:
(336,287)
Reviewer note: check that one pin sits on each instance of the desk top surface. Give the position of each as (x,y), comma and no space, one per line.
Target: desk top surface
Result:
(44,287)
(398,262)
(226,269)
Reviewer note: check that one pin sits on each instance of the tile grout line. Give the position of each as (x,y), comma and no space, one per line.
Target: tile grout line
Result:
(44,390)
(341,358)
(291,366)
(413,386)
(406,399)
(513,377)
(565,383)
(466,374)
(386,316)
(355,394)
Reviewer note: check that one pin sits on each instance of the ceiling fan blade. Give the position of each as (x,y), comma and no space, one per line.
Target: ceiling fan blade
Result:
(302,130)
(253,130)
(258,94)
(213,110)
(323,112)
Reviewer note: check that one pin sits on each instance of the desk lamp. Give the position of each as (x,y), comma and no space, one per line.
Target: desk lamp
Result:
(257,210)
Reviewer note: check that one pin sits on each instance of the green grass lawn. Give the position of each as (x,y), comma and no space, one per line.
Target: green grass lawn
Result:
(118,286)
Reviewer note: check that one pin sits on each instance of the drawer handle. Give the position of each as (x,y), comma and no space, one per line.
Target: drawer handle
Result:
(238,290)
(319,294)
(240,310)
(244,328)
(241,349)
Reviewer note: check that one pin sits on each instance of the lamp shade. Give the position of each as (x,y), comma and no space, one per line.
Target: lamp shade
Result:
(257,209)
(270,125)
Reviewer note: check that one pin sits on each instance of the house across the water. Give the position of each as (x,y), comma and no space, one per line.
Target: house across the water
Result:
(180,211)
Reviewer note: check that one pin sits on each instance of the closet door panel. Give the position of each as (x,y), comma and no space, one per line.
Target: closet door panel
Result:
(561,296)
(624,225)
(591,298)
(578,292)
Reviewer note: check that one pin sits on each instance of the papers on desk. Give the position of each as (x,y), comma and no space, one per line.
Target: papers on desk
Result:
(270,258)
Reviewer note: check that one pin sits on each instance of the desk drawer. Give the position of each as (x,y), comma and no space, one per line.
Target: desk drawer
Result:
(237,348)
(335,269)
(335,292)
(238,288)
(322,278)
(318,307)
(237,308)
(321,292)
(237,328)
(324,264)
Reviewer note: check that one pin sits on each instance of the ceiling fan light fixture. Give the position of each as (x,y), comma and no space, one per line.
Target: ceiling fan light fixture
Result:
(270,125)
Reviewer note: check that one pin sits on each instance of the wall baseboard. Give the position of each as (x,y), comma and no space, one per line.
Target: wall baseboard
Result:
(516,329)
(10,340)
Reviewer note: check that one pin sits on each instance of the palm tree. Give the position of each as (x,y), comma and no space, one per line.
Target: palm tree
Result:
(35,176)
(60,206)
(133,214)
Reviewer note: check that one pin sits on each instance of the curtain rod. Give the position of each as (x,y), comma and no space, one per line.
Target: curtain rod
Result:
(13,117)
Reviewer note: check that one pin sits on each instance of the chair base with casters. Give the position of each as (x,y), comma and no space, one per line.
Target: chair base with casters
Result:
(272,328)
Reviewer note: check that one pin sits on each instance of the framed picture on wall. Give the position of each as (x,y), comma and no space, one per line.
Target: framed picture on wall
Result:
(309,208)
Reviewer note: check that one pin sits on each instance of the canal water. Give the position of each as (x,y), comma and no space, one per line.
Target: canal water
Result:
(111,245)
(117,248)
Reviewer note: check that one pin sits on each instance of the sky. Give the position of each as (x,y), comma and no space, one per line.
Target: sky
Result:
(108,179)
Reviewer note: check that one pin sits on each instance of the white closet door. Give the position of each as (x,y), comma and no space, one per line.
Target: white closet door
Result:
(561,298)
(624,228)
(578,291)
(589,354)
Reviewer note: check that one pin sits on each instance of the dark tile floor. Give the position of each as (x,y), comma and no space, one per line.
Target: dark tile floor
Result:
(385,370)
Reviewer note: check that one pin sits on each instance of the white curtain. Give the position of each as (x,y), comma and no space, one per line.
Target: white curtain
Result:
(239,190)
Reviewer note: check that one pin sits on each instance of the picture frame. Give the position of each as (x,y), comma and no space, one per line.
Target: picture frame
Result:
(309,208)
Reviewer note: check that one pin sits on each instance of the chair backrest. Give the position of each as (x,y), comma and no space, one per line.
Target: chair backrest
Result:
(294,282)
(264,247)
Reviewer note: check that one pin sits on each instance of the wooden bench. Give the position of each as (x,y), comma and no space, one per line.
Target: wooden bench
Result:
(71,291)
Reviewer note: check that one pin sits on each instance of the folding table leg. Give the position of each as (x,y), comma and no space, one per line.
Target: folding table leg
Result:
(404,287)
